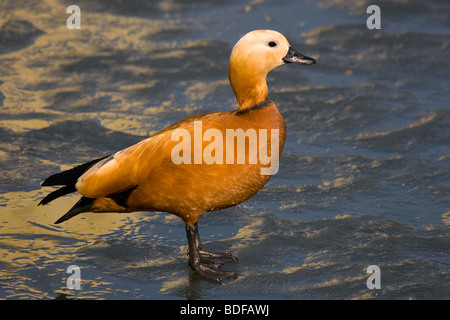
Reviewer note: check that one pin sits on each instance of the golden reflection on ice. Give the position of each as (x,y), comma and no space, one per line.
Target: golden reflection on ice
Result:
(29,82)
(42,243)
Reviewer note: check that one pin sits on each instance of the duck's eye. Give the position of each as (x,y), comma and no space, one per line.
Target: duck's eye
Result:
(272,44)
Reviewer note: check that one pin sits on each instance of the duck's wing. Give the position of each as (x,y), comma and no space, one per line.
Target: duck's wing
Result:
(124,169)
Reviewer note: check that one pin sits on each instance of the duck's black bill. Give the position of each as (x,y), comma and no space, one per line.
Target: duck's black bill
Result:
(293,56)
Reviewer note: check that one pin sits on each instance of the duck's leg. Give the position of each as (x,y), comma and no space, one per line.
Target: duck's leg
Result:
(206,264)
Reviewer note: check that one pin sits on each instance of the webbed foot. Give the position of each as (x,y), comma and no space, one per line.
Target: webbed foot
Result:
(207,264)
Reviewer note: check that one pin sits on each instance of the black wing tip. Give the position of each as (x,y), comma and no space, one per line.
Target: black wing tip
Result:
(46,182)
(83,205)
(67,180)
(69,177)
(56,194)
(59,221)
(62,219)
(58,179)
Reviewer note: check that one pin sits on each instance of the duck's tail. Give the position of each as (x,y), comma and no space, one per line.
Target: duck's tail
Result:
(67,179)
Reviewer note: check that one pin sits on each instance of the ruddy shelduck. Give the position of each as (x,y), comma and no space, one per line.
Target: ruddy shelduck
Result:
(145,177)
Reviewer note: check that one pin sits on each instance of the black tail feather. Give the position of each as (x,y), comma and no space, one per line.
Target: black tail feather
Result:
(83,205)
(67,179)
(56,194)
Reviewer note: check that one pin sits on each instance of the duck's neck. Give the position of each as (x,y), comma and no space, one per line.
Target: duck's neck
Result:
(249,87)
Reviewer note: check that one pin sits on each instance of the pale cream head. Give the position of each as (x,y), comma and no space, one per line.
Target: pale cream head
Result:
(253,57)
(260,50)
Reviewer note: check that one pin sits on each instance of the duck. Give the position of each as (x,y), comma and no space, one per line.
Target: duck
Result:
(200,164)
